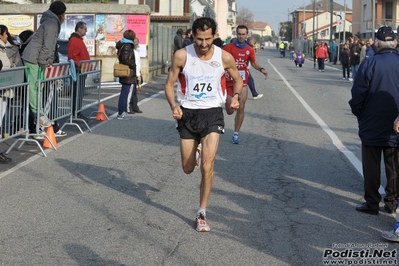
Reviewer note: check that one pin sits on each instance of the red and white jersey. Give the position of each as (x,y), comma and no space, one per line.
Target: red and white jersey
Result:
(201,84)
(242,57)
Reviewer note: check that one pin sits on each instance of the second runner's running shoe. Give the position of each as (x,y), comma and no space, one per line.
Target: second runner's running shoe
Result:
(200,223)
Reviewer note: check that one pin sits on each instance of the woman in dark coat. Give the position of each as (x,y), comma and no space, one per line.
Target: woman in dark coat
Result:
(344,58)
(126,56)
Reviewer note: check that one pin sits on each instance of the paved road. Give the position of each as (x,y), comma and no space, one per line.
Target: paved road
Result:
(117,196)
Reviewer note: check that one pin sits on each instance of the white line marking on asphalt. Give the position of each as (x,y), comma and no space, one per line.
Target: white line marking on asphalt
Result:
(335,140)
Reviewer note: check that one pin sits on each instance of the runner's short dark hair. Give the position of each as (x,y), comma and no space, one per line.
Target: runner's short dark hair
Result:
(204,24)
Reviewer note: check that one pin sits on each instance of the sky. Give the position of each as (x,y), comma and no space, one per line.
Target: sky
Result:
(276,11)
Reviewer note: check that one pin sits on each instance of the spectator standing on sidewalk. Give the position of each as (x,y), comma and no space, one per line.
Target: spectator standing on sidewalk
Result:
(77,51)
(334,52)
(291,49)
(321,55)
(40,53)
(189,38)
(24,38)
(363,49)
(344,58)
(375,103)
(371,48)
(200,115)
(316,45)
(125,49)
(132,105)
(178,40)
(9,57)
(354,57)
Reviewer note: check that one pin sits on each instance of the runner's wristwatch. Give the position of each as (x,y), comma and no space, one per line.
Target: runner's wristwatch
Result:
(239,95)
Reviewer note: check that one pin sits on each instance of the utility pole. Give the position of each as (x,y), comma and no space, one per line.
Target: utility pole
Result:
(314,7)
(343,38)
(373,20)
(331,20)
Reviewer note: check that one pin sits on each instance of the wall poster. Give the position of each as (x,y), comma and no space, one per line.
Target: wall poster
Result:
(110,29)
(17,23)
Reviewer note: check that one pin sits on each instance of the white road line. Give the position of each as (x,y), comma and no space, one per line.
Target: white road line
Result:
(335,140)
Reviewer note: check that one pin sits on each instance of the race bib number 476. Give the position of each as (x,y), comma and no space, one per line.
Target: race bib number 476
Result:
(202,87)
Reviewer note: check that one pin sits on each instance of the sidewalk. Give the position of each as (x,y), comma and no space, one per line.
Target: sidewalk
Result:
(30,149)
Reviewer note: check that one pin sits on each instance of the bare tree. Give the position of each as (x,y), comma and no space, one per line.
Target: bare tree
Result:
(244,15)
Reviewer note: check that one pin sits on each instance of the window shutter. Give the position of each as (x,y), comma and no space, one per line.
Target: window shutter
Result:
(156,9)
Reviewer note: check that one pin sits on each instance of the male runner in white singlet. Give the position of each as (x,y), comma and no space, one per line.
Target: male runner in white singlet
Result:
(200,70)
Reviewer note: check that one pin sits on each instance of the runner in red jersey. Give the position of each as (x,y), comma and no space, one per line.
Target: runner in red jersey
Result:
(243,54)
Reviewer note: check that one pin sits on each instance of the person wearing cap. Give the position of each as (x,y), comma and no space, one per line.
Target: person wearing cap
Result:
(40,53)
(375,103)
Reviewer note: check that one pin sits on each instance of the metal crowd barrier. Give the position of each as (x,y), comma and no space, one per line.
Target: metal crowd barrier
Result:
(56,95)
(14,106)
(87,89)
(53,101)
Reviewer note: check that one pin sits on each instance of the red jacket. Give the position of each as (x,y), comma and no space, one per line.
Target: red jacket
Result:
(322,51)
(77,49)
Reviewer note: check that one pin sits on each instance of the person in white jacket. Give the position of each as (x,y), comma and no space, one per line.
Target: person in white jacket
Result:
(9,57)
(132,106)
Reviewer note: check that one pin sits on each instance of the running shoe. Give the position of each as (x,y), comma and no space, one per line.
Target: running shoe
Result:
(258,97)
(392,235)
(198,157)
(236,138)
(123,116)
(200,223)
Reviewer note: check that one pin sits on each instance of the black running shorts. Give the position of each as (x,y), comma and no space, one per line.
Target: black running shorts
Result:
(197,123)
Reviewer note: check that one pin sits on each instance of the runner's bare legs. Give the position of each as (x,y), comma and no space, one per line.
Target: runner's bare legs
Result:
(210,145)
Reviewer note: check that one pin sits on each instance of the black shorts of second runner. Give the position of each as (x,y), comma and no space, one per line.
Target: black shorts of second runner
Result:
(197,123)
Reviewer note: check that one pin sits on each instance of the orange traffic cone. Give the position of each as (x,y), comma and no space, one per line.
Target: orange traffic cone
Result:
(50,134)
(101,112)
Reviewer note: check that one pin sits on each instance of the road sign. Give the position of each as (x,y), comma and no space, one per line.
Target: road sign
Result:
(340,25)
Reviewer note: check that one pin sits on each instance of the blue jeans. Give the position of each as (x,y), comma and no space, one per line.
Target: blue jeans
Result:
(251,85)
(292,55)
(122,104)
(354,69)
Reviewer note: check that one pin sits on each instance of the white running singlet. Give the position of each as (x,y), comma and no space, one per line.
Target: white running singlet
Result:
(202,83)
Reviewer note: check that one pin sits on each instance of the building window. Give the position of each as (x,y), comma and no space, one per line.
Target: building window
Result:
(153,4)
(388,10)
(364,11)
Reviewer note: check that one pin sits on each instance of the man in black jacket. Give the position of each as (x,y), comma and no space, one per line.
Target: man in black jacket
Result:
(189,39)
(178,40)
